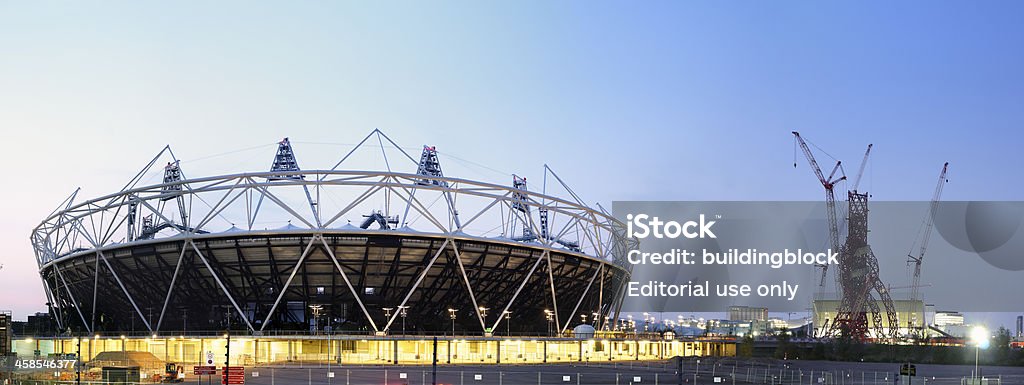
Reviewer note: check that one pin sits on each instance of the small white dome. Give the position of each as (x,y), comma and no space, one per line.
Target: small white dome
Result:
(583,331)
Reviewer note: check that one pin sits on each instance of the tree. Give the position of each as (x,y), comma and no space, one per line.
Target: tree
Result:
(746,347)
(783,348)
(1001,353)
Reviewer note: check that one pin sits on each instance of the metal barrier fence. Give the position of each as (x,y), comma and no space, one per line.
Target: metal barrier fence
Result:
(704,371)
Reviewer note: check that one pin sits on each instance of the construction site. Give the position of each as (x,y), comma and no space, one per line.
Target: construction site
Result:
(865,310)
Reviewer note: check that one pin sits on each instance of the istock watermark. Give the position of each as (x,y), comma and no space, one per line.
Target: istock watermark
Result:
(706,256)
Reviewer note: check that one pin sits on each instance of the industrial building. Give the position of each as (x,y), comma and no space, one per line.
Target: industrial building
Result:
(6,333)
(949,318)
(748,313)
(910,316)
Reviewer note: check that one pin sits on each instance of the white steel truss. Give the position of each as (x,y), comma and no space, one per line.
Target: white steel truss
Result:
(584,232)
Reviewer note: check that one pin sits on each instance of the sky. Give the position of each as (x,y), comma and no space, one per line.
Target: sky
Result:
(627,101)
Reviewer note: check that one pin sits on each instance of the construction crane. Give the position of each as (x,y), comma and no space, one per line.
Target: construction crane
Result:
(860,172)
(929,222)
(830,197)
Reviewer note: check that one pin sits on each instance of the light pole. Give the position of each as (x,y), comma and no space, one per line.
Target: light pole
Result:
(697,370)
(316,315)
(549,316)
(508,323)
(483,314)
(227,338)
(979,336)
(403,311)
(387,315)
(451,314)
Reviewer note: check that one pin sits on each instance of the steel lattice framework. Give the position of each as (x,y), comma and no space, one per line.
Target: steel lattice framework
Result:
(858,272)
(196,253)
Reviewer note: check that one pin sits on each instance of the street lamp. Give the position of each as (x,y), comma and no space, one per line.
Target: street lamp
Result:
(451,314)
(979,336)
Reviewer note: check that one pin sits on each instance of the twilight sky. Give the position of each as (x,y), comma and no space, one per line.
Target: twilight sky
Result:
(627,101)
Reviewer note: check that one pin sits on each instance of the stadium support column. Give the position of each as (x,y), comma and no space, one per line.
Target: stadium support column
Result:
(348,283)
(584,295)
(220,283)
(78,360)
(123,289)
(170,289)
(284,289)
(419,280)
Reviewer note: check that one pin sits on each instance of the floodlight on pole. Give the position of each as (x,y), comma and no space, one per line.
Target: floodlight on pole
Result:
(979,337)
(451,314)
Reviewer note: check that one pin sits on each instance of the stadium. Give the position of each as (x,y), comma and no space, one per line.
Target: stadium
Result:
(351,250)
(344,264)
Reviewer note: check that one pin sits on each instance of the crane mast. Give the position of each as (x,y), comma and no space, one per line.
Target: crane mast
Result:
(830,197)
(860,172)
(929,224)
